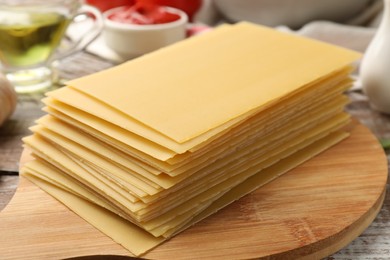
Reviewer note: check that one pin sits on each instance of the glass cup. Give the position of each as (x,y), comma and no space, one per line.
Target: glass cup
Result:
(31,32)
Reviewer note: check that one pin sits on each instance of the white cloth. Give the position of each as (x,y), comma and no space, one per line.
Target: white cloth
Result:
(348,36)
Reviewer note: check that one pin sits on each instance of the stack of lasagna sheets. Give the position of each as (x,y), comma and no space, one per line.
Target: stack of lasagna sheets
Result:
(169,138)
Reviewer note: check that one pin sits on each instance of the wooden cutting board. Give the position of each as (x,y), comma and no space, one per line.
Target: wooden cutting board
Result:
(310,212)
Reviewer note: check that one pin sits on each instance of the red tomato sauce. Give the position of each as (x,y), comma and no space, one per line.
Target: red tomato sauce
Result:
(143,14)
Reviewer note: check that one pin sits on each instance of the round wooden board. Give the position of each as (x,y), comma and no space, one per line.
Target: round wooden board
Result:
(310,212)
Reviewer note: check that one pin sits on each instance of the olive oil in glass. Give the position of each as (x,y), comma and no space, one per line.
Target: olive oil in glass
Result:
(30,33)
(27,42)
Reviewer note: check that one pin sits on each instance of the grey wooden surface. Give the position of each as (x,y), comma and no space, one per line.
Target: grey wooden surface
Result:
(374,243)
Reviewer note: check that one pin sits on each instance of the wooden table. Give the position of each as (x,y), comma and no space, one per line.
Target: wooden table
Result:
(372,244)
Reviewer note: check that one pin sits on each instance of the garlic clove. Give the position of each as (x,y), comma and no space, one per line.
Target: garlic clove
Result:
(8,99)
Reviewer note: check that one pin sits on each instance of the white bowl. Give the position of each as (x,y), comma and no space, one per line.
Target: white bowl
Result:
(293,13)
(132,40)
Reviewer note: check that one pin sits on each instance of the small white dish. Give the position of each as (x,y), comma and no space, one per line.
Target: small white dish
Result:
(132,40)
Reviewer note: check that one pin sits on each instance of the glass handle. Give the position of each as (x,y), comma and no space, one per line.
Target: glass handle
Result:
(92,33)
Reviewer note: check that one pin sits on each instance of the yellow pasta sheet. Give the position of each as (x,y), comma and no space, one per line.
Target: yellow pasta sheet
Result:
(92,151)
(121,138)
(175,92)
(257,155)
(137,240)
(135,130)
(331,102)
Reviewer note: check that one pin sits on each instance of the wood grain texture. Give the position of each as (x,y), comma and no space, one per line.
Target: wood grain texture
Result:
(311,211)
